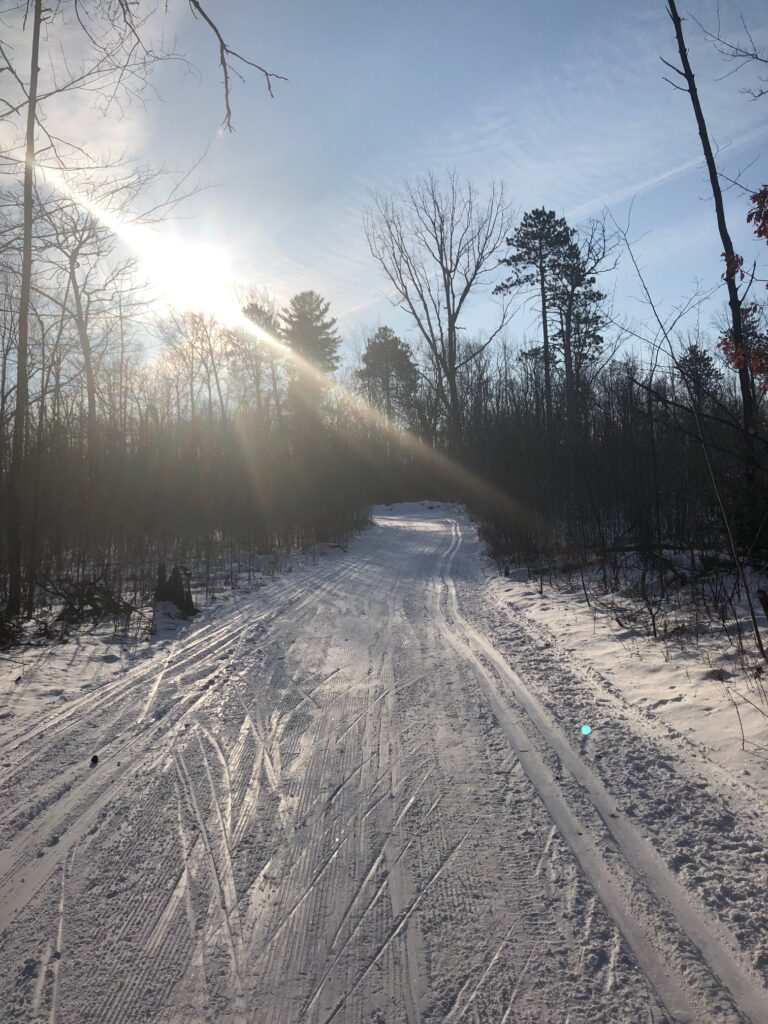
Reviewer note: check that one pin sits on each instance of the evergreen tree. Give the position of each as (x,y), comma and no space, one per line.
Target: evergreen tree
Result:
(699,374)
(310,332)
(540,243)
(750,358)
(388,375)
(260,312)
(578,308)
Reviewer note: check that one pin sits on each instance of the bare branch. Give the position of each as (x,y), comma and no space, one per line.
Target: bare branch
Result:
(226,53)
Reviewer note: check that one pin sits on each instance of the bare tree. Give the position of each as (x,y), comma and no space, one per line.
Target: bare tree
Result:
(22,353)
(439,244)
(741,52)
(733,262)
(78,250)
(109,56)
(229,60)
(261,362)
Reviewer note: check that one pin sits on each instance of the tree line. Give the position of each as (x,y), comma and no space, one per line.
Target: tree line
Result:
(213,441)
(591,438)
(223,438)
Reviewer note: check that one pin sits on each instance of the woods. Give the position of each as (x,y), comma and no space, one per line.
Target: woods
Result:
(383,512)
(219,440)
(131,438)
(131,462)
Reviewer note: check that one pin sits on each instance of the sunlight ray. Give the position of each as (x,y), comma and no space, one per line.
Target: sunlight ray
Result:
(193,278)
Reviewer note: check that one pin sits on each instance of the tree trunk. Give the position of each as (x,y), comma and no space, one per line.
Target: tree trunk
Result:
(18,449)
(547,358)
(454,410)
(275,391)
(90,376)
(732,261)
(570,388)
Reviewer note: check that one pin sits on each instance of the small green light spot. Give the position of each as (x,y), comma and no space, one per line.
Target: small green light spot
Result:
(586,730)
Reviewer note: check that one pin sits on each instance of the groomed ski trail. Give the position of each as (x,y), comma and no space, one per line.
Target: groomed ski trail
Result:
(350,797)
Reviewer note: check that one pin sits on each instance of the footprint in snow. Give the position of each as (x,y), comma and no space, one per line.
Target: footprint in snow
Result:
(667,700)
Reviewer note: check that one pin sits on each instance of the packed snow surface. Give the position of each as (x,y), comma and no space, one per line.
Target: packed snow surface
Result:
(362,793)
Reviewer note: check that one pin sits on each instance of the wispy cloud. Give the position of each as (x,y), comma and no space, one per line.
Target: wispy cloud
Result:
(584,124)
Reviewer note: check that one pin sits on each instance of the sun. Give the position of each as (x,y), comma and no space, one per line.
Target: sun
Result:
(196,278)
(192,276)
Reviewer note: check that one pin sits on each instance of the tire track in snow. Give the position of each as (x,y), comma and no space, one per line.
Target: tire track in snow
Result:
(382,888)
(234,939)
(226,872)
(518,983)
(59,950)
(637,852)
(398,927)
(411,737)
(104,788)
(184,649)
(181,891)
(453,1013)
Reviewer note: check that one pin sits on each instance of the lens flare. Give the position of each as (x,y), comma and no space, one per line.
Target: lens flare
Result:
(195,278)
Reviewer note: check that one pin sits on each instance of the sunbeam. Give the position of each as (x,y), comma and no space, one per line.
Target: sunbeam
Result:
(193,278)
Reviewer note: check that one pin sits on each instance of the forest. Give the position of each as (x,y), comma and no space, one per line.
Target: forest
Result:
(132,437)
(383,512)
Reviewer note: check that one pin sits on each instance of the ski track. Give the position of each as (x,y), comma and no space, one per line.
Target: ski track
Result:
(357,796)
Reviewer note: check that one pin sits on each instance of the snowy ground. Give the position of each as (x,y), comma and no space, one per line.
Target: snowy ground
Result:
(684,684)
(361,794)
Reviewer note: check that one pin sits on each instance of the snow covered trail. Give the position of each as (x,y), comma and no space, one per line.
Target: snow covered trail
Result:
(363,796)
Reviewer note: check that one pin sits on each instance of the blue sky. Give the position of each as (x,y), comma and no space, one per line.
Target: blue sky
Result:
(564,102)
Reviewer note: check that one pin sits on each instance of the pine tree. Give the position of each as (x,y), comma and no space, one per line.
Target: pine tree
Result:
(388,375)
(578,308)
(541,242)
(699,374)
(310,332)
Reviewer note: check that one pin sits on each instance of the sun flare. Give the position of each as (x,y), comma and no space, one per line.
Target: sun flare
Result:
(196,278)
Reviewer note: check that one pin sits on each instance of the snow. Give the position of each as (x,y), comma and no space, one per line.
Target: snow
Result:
(361,793)
(683,686)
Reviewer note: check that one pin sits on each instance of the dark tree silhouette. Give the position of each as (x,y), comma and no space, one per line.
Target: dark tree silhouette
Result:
(578,307)
(310,332)
(699,374)
(438,243)
(733,272)
(540,243)
(388,376)
(76,46)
